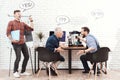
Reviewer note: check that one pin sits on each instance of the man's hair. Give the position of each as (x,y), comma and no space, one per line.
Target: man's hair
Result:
(16,11)
(86,29)
(58,29)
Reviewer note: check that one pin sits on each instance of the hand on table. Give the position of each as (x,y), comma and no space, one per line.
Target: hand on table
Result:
(80,52)
(59,49)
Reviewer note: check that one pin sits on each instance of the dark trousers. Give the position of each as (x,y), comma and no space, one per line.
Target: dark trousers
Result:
(85,58)
(18,48)
(57,57)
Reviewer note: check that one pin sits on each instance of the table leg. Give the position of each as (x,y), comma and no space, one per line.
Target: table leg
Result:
(35,61)
(31,60)
(38,62)
(69,60)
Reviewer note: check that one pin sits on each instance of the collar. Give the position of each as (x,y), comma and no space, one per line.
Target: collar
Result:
(56,37)
(16,20)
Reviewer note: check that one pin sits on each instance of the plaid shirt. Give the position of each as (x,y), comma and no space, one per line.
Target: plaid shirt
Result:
(17,25)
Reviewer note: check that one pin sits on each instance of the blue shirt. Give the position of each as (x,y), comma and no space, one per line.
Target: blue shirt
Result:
(92,42)
(52,43)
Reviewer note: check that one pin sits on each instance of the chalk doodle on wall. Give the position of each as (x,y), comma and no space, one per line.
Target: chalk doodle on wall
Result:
(97,13)
(62,19)
(26,5)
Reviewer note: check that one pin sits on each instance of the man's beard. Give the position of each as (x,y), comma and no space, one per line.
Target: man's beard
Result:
(83,36)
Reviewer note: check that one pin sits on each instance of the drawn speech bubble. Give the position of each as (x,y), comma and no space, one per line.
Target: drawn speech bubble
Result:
(98,13)
(62,19)
(25,5)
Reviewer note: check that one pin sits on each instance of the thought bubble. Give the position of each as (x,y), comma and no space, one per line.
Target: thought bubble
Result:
(25,5)
(62,19)
(97,13)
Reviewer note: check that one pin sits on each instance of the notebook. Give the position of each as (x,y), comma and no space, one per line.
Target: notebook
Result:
(15,35)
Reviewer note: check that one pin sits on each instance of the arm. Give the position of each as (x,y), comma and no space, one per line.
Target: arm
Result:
(53,45)
(8,33)
(31,27)
(91,46)
(31,22)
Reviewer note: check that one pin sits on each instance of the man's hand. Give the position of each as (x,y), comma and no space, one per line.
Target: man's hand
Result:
(30,18)
(59,49)
(80,52)
(31,22)
(14,41)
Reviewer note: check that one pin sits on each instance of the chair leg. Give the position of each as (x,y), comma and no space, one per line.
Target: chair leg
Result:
(90,71)
(106,67)
(101,67)
(49,70)
(31,60)
(95,73)
(55,68)
(10,61)
(39,70)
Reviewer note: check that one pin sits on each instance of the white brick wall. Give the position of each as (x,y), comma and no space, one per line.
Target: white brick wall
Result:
(45,12)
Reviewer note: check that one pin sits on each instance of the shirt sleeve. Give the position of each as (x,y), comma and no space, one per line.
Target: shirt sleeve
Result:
(9,28)
(28,27)
(91,43)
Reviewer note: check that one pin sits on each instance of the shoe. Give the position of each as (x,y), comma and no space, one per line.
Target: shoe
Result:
(25,74)
(86,71)
(47,71)
(53,73)
(98,73)
(16,75)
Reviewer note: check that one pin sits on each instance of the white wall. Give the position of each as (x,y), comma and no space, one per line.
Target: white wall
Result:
(79,12)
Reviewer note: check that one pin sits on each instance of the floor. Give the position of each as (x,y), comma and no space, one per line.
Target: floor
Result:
(63,75)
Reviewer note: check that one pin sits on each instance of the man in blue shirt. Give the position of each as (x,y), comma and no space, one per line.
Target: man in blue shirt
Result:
(92,45)
(52,44)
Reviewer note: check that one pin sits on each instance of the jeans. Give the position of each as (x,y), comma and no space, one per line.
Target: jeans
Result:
(18,48)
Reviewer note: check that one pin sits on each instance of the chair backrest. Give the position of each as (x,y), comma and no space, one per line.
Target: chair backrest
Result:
(101,55)
(44,54)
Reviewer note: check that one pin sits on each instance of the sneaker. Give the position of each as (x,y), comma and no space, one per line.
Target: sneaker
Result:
(53,73)
(25,74)
(86,71)
(98,72)
(16,75)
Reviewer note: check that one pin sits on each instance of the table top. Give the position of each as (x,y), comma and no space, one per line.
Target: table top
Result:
(74,48)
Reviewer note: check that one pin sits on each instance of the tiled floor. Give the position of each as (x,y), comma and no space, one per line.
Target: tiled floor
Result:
(63,75)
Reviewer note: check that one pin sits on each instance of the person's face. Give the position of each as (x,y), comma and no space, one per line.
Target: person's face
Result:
(60,34)
(17,15)
(82,32)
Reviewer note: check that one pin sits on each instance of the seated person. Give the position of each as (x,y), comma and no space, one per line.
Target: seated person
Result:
(92,45)
(52,44)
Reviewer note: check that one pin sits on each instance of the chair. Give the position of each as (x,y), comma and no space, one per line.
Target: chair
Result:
(100,56)
(45,58)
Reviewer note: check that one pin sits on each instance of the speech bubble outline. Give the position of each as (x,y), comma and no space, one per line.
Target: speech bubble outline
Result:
(26,5)
(62,19)
(97,13)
